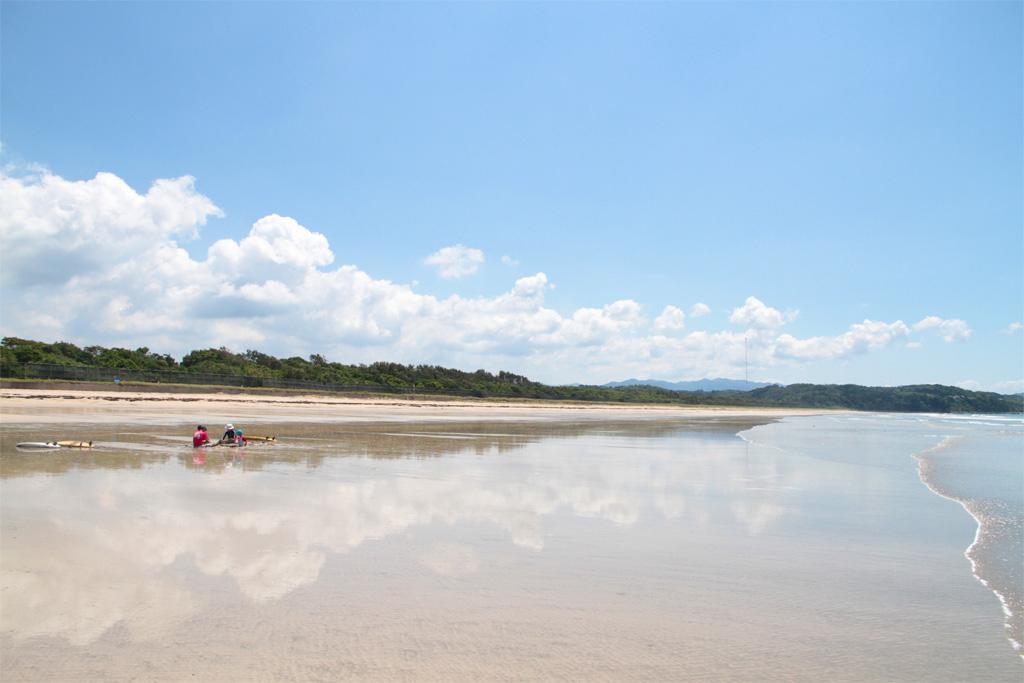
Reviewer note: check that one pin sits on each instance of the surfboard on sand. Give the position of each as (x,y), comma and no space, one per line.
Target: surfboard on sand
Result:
(54,444)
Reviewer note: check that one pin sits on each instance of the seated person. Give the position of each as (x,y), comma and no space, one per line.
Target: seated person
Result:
(201,437)
(232,435)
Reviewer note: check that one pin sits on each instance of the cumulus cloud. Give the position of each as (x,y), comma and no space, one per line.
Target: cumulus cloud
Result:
(96,262)
(671,319)
(456,261)
(755,314)
(699,310)
(52,228)
(531,286)
(594,326)
(869,335)
(273,240)
(1015,327)
(952,330)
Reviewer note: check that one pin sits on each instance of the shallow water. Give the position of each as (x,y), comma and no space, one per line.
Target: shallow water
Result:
(634,550)
(979,465)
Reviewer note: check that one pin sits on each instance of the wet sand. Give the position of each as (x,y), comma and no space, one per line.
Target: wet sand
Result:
(393,542)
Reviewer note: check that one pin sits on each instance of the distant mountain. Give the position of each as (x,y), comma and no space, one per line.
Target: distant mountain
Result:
(711,384)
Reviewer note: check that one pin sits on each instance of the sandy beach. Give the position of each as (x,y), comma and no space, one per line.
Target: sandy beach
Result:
(19,406)
(412,540)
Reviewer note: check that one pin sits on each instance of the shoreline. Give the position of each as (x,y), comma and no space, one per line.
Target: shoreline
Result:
(32,405)
(980,530)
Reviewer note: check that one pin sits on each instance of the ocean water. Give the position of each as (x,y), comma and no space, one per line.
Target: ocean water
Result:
(845,547)
(979,465)
(976,461)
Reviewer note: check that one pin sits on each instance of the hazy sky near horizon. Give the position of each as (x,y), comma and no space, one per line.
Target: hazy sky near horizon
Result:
(578,192)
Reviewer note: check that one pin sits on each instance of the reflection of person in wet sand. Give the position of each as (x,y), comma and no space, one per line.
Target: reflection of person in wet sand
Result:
(235,459)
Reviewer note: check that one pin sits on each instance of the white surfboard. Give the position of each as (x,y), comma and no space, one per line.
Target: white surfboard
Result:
(39,444)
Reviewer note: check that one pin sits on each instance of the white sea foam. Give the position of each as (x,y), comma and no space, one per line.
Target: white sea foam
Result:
(980,521)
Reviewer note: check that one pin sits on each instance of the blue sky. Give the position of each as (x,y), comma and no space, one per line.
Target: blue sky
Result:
(838,162)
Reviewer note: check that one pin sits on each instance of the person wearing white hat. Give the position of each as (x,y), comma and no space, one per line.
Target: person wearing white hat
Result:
(232,435)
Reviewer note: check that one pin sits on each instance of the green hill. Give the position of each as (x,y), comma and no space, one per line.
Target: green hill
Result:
(27,358)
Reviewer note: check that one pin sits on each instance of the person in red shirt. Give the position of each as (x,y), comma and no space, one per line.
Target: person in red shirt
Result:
(200,438)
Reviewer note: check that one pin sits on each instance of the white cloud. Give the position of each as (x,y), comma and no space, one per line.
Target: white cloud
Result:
(671,319)
(509,261)
(52,228)
(913,345)
(1015,327)
(279,289)
(273,241)
(869,335)
(952,330)
(531,285)
(594,326)
(755,314)
(699,310)
(456,261)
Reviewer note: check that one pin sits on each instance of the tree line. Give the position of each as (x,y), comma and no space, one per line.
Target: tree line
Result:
(16,352)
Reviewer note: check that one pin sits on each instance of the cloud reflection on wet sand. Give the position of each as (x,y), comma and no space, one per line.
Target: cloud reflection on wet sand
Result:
(269,531)
(646,550)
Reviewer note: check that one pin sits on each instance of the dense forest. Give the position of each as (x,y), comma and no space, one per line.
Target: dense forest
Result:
(16,354)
